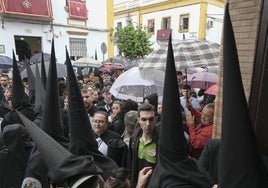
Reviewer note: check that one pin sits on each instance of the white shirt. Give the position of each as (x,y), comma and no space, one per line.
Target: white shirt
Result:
(102,147)
(193,101)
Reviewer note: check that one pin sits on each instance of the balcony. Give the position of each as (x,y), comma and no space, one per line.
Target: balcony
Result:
(29,10)
(163,34)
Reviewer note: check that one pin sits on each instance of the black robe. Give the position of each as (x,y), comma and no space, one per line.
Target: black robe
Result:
(14,155)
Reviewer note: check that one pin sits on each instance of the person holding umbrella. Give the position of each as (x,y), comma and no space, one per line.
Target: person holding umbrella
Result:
(201,133)
(186,92)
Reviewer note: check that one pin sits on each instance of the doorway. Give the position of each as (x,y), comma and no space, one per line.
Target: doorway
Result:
(26,46)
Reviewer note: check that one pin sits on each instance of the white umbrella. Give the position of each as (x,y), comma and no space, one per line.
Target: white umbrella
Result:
(87,62)
(136,84)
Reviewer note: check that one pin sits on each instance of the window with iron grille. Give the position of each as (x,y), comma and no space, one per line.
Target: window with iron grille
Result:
(78,47)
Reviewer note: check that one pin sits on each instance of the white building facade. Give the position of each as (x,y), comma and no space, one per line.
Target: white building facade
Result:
(82,26)
(188,19)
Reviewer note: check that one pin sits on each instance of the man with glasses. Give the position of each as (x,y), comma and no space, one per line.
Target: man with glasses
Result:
(102,133)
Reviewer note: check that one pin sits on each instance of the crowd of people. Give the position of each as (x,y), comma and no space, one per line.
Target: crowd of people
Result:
(133,127)
(76,134)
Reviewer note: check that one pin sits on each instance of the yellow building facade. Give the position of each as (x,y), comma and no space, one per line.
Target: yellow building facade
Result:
(186,19)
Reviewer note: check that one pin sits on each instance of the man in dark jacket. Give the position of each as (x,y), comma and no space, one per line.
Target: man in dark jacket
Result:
(143,143)
(209,158)
(88,102)
(107,101)
(4,83)
(102,133)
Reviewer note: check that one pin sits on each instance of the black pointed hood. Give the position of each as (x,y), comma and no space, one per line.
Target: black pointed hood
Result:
(82,139)
(51,122)
(240,164)
(36,166)
(39,92)
(19,100)
(174,168)
(171,114)
(81,134)
(96,56)
(43,71)
(18,89)
(64,167)
(48,112)
(31,81)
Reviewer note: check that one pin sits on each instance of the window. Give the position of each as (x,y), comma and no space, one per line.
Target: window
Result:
(78,47)
(166,23)
(119,24)
(184,23)
(150,26)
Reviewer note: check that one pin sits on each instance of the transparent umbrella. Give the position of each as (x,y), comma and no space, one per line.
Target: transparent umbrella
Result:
(136,84)
(115,60)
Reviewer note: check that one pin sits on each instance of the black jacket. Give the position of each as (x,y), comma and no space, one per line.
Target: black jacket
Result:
(117,125)
(209,158)
(132,163)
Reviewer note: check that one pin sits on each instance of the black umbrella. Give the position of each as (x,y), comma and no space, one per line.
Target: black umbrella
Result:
(5,62)
(61,69)
(36,58)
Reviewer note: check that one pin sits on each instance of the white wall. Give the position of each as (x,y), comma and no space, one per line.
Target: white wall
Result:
(136,2)
(194,15)
(13,28)
(214,14)
(95,26)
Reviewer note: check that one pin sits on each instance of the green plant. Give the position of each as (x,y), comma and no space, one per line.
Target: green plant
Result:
(133,41)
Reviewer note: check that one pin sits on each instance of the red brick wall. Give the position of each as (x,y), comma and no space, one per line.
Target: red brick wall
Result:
(245,20)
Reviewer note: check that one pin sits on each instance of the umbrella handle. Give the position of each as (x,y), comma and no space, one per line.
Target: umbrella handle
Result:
(187,95)
(185,75)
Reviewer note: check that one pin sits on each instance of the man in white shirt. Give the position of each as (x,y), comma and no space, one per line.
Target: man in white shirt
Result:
(186,92)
